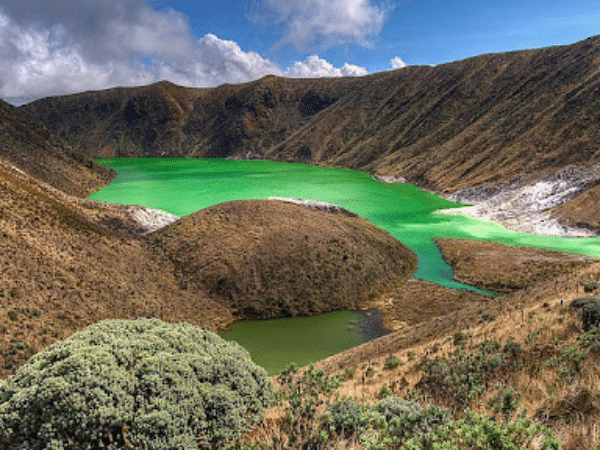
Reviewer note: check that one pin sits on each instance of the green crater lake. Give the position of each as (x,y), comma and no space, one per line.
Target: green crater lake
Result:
(275,343)
(183,186)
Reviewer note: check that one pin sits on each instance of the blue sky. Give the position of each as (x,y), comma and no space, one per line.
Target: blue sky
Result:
(419,32)
(64,46)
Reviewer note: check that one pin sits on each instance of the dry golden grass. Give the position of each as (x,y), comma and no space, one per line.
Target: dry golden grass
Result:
(571,408)
(502,268)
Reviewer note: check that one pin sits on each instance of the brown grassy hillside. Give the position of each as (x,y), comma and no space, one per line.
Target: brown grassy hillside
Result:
(582,211)
(27,143)
(271,259)
(64,266)
(66,263)
(489,118)
(505,269)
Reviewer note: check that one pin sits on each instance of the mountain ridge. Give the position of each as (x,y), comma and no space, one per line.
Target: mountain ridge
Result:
(489,118)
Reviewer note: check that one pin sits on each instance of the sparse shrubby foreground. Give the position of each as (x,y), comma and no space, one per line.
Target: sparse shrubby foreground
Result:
(143,384)
(316,418)
(147,384)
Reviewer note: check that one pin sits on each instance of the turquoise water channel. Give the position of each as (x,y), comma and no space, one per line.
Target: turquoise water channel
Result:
(183,186)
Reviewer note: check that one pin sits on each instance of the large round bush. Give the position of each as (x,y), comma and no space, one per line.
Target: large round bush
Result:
(142,384)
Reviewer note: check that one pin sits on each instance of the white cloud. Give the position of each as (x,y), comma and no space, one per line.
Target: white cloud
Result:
(48,58)
(314,66)
(397,63)
(326,22)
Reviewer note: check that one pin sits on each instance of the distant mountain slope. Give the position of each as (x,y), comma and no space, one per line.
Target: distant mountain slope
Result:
(27,143)
(492,118)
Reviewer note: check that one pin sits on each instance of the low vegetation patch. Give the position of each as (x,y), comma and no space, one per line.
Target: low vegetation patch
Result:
(589,308)
(316,418)
(134,384)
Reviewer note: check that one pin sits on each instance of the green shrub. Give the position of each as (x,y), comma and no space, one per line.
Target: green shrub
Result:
(392,362)
(475,431)
(13,314)
(512,348)
(385,391)
(301,395)
(348,416)
(590,311)
(460,338)
(591,286)
(142,383)
(506,402)
(392,407)
(488,316)
(590,340)
(532,337)
(569,362)
(462,377)
(407,420)
(349,373)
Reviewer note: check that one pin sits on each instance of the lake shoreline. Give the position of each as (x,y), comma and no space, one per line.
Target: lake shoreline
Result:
(371,324)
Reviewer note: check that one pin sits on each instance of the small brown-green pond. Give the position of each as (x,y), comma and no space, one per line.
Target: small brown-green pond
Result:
(272,343)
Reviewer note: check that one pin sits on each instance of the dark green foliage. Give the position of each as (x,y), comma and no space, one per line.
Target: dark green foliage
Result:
(568,361)
(591,315)
(590,340)
(589,308)
(580,302)
(475,431)
(506,402)
(460,338)
(512,349)
(532,337)
(349,373)
(591,286)
(411,421)
(141,383)
(301,396)
(385,391)
(487,316)
(392,362)
(13,314)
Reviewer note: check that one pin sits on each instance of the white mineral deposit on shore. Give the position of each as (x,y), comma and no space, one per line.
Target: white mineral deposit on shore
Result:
(311,204)
(151,219)
(525,208)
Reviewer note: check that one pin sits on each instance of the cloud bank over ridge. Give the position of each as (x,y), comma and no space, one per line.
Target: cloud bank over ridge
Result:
(76,45)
